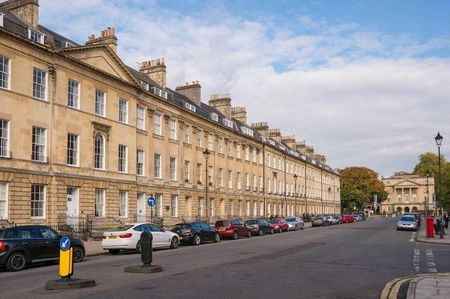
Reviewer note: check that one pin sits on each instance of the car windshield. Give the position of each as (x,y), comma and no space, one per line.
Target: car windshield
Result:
(251,222)
(182,225)
(121,228)
(274,221)
(408,218)
(291,219)
(221,223)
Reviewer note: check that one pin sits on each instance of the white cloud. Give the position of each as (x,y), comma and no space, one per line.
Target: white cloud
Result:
(360,97)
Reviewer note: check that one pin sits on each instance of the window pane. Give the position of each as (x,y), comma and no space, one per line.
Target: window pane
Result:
(73,94)
(72,149)
(99,202)
(3,201)
(37,201)
(4,138)
(39,84)
(100,102)
(99,151)
(38,151)
(4,72)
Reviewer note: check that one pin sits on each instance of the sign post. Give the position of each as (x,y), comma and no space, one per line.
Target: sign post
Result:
(151,201)
(66,244)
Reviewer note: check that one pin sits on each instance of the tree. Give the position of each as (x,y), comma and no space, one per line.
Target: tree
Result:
(358,186)
(428,163)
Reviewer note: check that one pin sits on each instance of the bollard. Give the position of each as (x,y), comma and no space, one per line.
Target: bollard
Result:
(66,269)
(146,256)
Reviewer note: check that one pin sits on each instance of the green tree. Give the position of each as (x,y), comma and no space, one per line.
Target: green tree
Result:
(358,186)
(428,164)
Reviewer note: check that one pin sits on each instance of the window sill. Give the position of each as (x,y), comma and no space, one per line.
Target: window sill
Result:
(41,100)
(74,166)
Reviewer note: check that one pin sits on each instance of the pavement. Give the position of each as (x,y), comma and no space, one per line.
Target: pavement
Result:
(422,286)
(94,248)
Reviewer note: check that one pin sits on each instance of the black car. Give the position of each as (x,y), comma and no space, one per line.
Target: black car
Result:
(23,245)
(259,227)
(196,232)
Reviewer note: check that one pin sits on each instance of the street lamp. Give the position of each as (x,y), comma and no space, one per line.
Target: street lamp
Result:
(438,140)
(321,190)
(427,197)
(206,154)
(295,194)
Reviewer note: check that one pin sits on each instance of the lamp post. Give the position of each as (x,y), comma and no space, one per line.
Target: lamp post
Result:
(427,198)
(438,140)
(206,154)
(321,190)
(295,194)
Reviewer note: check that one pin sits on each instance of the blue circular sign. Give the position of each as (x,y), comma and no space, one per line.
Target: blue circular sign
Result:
(151,201)
(64,243)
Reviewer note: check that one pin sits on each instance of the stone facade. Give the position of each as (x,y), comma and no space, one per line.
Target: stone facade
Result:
(82,143)
(408,193)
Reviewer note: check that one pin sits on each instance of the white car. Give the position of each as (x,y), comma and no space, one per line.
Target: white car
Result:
(126,237)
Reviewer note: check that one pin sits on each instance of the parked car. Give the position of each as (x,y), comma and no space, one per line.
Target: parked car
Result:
(348,219)
(416,215)
(407,222)
(328,220)
(337,219)
(127,236)
(259,227)
(316,221)
(196,232)
(360,216)
(22,245)
(295,223)
(279,225)
(233,228)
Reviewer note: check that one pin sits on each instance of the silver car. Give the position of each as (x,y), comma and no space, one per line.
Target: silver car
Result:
(407,222)
(295,223)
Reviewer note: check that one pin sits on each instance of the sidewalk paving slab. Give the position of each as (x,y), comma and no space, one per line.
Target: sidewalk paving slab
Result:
(422,236)
(435,286)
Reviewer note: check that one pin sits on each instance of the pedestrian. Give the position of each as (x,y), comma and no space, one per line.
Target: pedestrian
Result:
(435,224)
(446,220)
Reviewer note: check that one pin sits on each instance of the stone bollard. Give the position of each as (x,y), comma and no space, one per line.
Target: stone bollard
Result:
(146,256)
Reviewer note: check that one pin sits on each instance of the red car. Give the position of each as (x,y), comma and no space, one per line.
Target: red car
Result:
(279,225)
(233,228)
(348,219)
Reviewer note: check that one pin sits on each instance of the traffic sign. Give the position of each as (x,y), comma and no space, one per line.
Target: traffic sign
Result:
(151,201)
(64,243)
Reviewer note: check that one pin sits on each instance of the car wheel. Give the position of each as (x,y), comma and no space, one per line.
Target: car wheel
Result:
(216,238)
(16,262)
(196,240)
(249,234)
(174,243)
(272,231)
(280,230)
(235,236)
(78,254)
(139,247)
(114,251)
(260,232)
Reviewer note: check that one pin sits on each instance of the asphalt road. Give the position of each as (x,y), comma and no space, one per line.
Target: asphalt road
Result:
(344,261)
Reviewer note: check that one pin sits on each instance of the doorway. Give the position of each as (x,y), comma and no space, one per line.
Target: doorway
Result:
(72,207)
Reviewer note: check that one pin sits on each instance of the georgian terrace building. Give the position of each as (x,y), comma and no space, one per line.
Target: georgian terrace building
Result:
(84,136)
(408,193)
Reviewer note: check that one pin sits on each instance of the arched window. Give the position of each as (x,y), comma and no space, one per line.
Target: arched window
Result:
(99,151)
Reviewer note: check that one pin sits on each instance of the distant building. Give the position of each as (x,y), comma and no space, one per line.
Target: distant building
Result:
(407,193)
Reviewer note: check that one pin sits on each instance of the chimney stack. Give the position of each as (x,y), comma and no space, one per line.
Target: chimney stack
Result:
(275,134)
(27,10)
(221,102)
(156,70)
(239,113)
(262,128)
(193,91)
(289,141)
(108,37)
(301,147)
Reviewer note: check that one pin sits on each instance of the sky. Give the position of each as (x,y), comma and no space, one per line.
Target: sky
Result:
(366,83)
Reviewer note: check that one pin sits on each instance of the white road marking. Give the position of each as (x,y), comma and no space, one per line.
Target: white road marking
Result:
(430,261)
(416,260)
(412,237)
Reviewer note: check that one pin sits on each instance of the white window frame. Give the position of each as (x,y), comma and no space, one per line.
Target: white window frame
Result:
(44,200)
(230,179)
(247,182)
(229,148)
(214,116)
(157,163)
(4,198)
(123,111)
(210,142)
(100,107)
(123,206)
(39,84)
(199,171)
(238,180)
(174,205)
(6,73)
(76,143)
(41,147)
(199,138)
(157,124)
(102,153)
(187,136)
(187,170)
(246,152)
(140,118)
(158,204)
(238,151)
(173,168)
(1,19)
(100,194)
(122,158)
(220,177)
(36,36)
(5,140)
(73,94)
(140,162)
(173,132)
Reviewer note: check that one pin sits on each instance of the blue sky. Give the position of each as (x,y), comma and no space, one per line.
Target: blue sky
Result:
(368,79)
